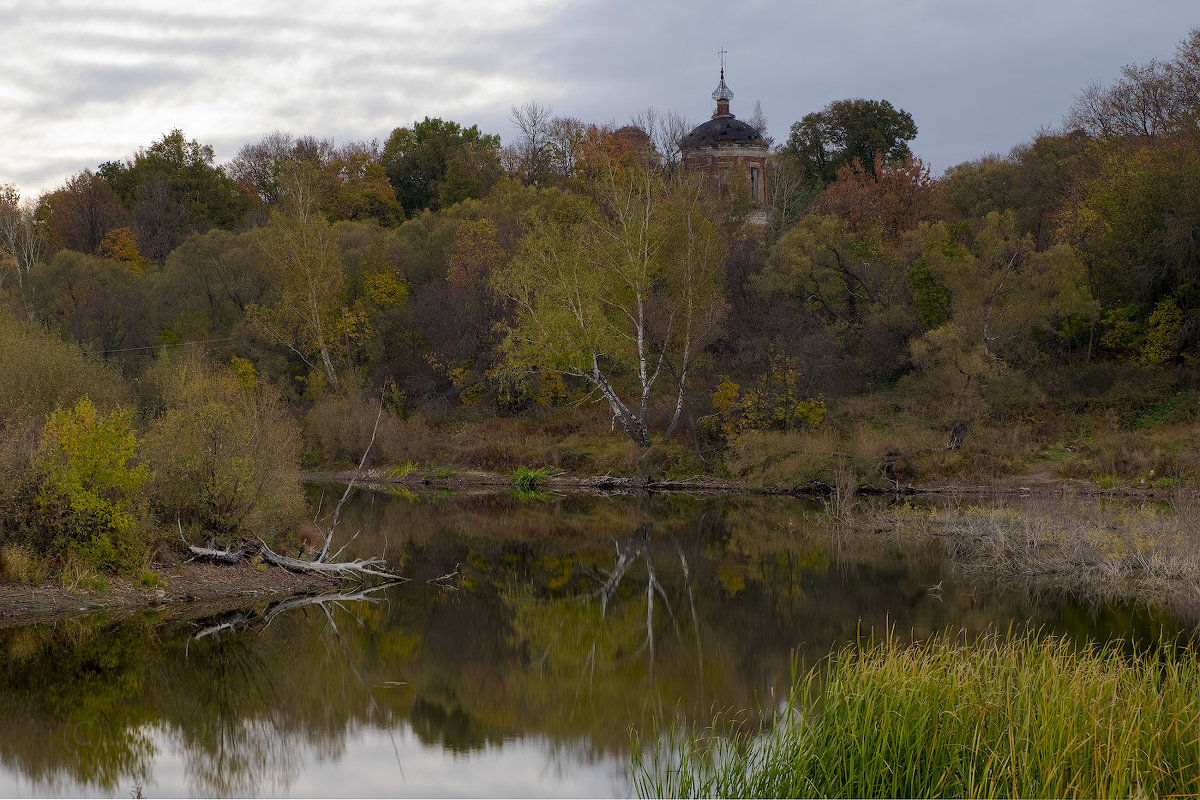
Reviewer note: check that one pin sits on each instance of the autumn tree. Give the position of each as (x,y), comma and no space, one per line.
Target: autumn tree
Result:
(355,187)
(619,291)
(172,188)
(436,163)
(846,131)
(260,165)
(82,212)
(891,197)
(351,182)
(1148,101)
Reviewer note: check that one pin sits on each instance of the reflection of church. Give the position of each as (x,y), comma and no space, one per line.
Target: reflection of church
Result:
(725,147)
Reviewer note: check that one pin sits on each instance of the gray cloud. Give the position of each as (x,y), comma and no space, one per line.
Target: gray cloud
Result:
(82,82)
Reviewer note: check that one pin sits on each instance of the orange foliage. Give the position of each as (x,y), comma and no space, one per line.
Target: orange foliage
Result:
(900,198)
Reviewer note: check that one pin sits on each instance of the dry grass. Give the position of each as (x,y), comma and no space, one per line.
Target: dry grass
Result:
(567,439)
(1103,551)
(337,429)
(20,564)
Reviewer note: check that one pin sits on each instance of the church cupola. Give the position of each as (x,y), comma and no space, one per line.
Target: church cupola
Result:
(722,94)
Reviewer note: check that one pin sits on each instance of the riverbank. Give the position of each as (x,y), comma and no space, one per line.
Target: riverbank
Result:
(980,544)
(202,588)
(1041,482)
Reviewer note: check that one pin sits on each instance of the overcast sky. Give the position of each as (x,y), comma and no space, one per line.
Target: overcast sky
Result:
(86,81)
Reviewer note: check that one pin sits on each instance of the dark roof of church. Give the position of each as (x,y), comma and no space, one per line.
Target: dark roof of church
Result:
(720,130)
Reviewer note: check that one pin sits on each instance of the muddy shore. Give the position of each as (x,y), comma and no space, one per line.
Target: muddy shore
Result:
(190,590)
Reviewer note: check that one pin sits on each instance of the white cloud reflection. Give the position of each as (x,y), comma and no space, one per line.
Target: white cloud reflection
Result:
(376,763)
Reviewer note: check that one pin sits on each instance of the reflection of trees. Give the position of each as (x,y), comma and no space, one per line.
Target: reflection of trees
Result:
(76,709)
(629,648)
(243,709)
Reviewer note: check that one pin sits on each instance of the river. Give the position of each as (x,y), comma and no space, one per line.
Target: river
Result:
(535,634)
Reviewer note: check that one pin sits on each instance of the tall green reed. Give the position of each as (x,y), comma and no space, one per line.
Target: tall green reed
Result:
(1032,716)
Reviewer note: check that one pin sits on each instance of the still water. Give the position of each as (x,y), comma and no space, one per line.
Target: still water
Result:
(534,635)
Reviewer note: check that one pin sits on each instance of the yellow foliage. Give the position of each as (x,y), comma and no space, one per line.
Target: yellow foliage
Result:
(243,370)
(356,326)
(121,246)
(773,403)
(385,290)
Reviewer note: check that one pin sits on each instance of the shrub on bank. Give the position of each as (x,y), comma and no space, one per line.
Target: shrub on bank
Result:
(86,499)
(43,373)
(225,454)
(337,430)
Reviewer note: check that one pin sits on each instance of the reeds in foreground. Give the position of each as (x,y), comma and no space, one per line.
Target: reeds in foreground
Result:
(1033,716)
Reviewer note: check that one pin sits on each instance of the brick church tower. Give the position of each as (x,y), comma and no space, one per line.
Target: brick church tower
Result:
(725,147)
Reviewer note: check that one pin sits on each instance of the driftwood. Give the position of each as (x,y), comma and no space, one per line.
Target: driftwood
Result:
(363,567)
(220,556)
(359,568)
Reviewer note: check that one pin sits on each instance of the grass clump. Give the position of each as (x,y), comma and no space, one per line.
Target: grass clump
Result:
(152,580)
(527,479)
(403,470)
(1033,716)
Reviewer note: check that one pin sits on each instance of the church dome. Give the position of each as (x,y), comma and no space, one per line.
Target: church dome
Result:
(724,129)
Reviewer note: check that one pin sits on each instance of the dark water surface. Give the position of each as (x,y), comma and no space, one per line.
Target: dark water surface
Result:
(564,624)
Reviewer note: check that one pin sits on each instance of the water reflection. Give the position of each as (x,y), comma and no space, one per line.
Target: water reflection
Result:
(532,638)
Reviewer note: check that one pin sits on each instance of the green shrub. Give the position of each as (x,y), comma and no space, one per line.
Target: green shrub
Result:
(152,580)
(86,498)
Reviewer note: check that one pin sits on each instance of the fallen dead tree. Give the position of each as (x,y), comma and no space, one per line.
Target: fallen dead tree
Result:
(363,566)
(214,554)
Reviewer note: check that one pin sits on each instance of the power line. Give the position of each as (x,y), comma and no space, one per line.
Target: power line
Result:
(161,346)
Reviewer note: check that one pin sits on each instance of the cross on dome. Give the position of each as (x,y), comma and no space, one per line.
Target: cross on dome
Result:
(722,93)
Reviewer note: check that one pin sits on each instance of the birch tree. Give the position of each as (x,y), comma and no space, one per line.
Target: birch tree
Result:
(620,290)
(21,242)
(300,248)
